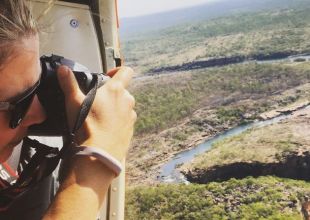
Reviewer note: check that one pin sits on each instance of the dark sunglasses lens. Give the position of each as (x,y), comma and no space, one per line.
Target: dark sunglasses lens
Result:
(20,110)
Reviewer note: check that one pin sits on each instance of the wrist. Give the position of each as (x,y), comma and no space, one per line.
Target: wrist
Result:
(104,157)
(87,182)
(88,171)
(114,145)
(116,150)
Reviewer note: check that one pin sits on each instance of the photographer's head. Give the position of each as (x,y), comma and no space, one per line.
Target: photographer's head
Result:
(19,73)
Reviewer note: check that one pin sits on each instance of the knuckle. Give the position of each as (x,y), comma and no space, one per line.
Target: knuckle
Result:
(130,99)
(115,87)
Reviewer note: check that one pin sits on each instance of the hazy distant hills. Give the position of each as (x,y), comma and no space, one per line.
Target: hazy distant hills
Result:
(135,25)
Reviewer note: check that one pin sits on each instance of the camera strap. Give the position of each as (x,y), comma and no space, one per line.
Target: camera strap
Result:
(84,110)
(71,148)
(86,105)
(47,157)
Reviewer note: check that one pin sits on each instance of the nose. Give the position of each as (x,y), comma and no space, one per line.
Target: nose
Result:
(35,115)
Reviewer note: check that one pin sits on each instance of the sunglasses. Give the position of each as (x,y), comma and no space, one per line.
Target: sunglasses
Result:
(20,107)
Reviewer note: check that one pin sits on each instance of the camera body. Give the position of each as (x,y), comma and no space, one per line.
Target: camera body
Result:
(52,98)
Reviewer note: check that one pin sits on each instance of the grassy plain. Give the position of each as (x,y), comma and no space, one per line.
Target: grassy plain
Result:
(164,101)
(247,34)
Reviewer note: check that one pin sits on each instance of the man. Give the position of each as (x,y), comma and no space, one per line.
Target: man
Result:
(109,125)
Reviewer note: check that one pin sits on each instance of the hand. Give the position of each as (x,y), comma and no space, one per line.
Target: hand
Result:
(109,124)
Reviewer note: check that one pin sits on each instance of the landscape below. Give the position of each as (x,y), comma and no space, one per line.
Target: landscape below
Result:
(181,108)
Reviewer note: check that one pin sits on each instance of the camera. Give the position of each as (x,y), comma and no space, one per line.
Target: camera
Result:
(52,98)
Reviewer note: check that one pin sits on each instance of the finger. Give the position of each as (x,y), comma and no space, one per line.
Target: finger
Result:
(67,82)
(134,116)
(131,99)
(123,75)
(113,71)
(73,95)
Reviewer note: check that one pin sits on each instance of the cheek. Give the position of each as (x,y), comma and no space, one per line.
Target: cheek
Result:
(7,134)
(4,121)
(9,138)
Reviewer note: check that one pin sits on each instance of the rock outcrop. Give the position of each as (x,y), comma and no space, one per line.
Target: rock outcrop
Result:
(294,165)
(222,61)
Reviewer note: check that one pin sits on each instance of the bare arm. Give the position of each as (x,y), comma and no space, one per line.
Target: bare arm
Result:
(81,194)
(109,126)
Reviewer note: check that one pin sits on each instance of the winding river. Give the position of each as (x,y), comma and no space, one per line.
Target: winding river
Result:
(170,173)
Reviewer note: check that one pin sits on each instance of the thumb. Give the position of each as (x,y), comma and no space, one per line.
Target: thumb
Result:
(68,83)
(73,95)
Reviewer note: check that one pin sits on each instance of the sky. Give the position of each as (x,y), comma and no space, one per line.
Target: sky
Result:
(133,8)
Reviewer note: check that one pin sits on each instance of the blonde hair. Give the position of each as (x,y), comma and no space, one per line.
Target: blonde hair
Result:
(16,23)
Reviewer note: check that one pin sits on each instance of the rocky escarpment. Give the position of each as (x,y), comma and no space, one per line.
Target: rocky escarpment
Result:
(222,61)
(201,64)
(294,165)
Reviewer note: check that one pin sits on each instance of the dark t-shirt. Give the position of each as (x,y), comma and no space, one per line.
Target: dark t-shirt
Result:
(34,203)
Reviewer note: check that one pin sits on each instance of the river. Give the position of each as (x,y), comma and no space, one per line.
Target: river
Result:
(170,173)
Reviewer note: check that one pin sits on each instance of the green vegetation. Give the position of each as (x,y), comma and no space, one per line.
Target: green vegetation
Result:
(267,144)
(250,198)
(159,107)
(195,105)
(164,102)
(247,35)
(229,115)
